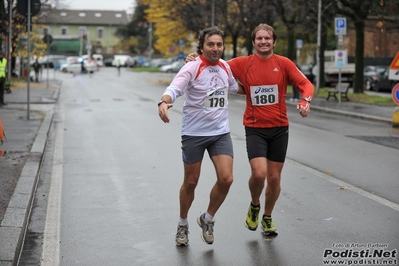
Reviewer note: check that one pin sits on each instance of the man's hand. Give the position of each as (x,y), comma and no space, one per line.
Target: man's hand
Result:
(163,111)
(303,110)
(191,57)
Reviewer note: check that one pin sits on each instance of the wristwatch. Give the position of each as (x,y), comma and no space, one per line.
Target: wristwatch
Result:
(161,101)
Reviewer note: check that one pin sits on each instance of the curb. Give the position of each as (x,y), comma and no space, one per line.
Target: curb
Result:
(15,222)
(351,114)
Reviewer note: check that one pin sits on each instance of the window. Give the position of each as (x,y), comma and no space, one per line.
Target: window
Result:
(64,31)
(118,15)
(100,33)
(97,15)
(63,14)
(82,31)
(81,14)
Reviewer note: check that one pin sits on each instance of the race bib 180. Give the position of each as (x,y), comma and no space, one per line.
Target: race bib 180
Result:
(216,98)
(264,94)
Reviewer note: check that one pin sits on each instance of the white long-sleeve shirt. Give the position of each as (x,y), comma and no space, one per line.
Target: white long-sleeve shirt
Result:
(205,87)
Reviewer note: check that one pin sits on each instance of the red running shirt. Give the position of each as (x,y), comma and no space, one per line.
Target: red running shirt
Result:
(265,82)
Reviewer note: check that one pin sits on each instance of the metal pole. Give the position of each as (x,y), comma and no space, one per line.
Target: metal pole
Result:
(9,41)
(48,58)
(318,47)
(150,43)
(28,100)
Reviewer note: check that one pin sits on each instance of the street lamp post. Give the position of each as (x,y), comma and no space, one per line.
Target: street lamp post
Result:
(319,13)
(150,42)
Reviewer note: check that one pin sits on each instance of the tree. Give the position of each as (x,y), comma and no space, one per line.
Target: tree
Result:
(168,27)
(291,13)
(134,35)
(358,11)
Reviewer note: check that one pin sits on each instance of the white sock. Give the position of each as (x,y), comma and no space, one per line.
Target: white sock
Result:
(183,221)
(208,217)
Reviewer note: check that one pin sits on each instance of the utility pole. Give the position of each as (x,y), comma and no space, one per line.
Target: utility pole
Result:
(29,25)
(150,42)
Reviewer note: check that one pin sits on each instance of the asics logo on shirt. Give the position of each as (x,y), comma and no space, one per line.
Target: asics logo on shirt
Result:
(275,69)
(216,93)
(263,90)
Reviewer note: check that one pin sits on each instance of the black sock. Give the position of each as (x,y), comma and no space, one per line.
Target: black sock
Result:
(255,206)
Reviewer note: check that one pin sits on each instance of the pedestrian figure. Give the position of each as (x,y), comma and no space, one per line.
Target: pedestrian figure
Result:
(36,68)
(3,67)
(118,66)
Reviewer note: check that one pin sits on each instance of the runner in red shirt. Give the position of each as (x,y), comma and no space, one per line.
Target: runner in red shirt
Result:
(265,77)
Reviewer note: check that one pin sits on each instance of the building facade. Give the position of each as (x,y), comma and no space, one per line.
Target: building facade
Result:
(77,31)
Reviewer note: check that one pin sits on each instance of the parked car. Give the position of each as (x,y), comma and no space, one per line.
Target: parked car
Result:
(172,68)
(307,70)
(376,78)
(49,60)
(76,67)
(108,62)
(69,60)
(125,60)
(58,63)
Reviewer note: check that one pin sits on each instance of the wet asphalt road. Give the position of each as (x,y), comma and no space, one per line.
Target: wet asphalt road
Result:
(115,171)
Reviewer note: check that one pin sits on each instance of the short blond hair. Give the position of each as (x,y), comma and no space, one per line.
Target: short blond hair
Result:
(265,27)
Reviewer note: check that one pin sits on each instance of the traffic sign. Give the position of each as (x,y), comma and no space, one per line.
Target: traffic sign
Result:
(340,57)
(181,56)
(48,39)
(395,62)
(340,26)
(394,68)
(299,44)
(181,43)
(395,93)
(35,6)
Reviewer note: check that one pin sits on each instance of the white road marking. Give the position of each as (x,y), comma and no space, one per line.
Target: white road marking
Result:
(351,187)
(51,238)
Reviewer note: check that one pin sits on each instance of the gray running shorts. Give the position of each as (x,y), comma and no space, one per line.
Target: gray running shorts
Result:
(193,147)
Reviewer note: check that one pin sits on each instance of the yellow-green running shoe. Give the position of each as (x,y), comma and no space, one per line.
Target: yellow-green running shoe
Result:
(251,221)
(268,226)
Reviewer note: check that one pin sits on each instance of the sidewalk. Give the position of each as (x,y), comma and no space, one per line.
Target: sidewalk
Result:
(23,148)
(26,140)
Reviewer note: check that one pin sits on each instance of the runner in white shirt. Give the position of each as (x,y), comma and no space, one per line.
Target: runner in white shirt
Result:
(205,84)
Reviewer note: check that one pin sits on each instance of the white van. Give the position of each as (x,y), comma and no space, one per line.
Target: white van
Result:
(125,60)
(99,60)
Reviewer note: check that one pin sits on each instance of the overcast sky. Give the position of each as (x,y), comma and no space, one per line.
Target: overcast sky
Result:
(98,4)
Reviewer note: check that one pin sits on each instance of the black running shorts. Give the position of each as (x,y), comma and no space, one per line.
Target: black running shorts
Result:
(270,143)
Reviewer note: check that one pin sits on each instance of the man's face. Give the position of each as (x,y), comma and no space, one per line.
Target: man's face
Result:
(213,48)
(264,42)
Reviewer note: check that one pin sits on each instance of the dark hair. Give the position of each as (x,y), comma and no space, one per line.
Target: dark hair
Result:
(265,27)
(206,33)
